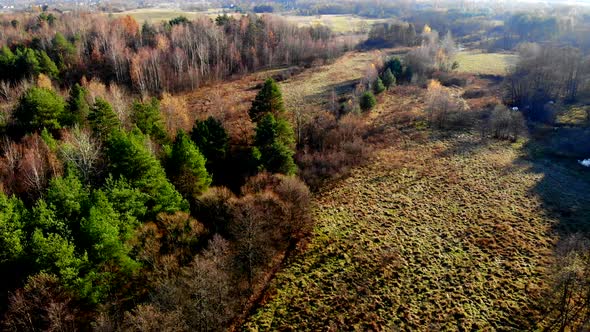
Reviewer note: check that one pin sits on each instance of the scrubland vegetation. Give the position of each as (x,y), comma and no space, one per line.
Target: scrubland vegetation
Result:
(339,166)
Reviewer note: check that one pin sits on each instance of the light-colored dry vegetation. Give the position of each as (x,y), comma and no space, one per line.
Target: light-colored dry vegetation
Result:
(441,235)
(338,23)
(432,234)
(475,62)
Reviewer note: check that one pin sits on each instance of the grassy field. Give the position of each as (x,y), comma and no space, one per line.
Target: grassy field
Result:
(449,233)
(311,90)
(433,234)
(439,236)
(475,62)
(155,15)
(338,23)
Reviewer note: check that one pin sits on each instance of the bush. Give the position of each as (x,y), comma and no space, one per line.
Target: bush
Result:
(378,86)
(388,78)
(506,123)
(446,111)
(368,101)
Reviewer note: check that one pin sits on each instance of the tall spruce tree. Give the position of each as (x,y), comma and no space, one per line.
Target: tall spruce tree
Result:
(103,119)
(268,100)
(274,145)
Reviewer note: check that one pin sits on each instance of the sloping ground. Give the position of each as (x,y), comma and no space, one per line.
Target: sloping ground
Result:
(304,93)
(444,235)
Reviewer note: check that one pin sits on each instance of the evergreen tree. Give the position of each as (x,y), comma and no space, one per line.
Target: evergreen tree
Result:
(378,86)
(274,145)
(129,158)
(39,108)
(62,50)
(148,119)
(46,65)
(7,62)
(212,140)
(26,63)
(128,201)
(12,235)
(102,118)
(186,167)
(408,74)
(388,79)
(78,106)
(268,100)
(368,101)
(396,67)
(67,198)
(102,229)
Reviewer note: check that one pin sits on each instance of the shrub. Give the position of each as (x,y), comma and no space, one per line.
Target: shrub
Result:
(378,86)
(506,123)
(445,111)
(388,78)
(368,101)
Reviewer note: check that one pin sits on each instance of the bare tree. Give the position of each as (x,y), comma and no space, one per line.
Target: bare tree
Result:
(83,151)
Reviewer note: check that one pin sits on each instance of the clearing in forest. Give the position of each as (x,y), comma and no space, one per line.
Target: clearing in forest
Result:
(475,62)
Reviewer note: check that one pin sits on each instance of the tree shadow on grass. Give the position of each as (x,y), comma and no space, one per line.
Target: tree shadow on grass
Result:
(565,186)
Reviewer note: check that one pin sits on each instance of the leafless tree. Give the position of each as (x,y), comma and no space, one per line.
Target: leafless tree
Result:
(83,151)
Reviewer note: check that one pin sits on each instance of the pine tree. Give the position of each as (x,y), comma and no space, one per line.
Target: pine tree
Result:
(388,79)
(368,101)
(211,138)
(274,145)
(46,65)
(12,235)
(148,119)
(186,167)
(213,141)
(129,158)
(102,118)
(396,67)
(378,86)
(268,100)
(77,106)
(39,108)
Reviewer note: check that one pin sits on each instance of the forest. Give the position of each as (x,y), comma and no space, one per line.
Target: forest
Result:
(170,175)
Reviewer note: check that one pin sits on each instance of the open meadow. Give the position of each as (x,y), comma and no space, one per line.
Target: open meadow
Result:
(434,233)
(475,62)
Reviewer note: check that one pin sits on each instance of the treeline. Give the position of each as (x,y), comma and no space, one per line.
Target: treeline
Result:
(544,77)
(392,34)
(152,58)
